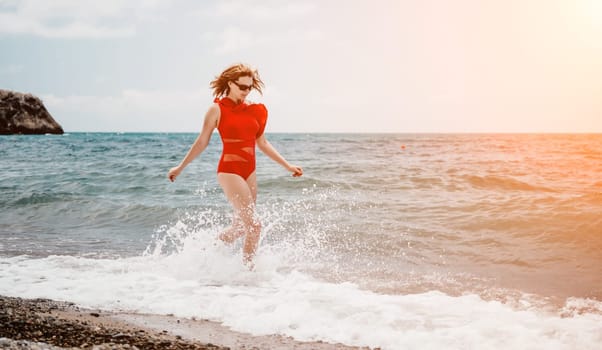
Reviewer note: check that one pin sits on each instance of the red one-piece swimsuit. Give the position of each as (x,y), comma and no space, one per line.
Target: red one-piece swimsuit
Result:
(240,124)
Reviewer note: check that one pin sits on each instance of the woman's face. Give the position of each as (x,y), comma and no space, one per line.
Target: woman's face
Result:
(240,88)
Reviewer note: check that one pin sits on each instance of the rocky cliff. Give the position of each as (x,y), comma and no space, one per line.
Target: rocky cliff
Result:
(25,114)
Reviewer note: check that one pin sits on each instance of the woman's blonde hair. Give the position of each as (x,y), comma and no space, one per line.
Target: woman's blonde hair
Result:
(220,83)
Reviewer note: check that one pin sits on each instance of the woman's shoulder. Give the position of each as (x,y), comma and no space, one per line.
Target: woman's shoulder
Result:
(214,111)
(215,106)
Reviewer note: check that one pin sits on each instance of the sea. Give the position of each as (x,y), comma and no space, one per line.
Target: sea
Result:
(397,241)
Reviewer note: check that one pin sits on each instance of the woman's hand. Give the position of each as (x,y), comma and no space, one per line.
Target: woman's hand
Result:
(173,173)
(296,170)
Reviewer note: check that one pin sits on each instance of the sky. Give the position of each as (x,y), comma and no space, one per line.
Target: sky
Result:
(329,66)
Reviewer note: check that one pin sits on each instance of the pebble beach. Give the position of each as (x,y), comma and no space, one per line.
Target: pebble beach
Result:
(51,325)
(47,324)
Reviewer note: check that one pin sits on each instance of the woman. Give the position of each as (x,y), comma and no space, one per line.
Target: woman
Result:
(240,125)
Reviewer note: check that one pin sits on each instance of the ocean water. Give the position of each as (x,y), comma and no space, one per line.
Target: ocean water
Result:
(394,241)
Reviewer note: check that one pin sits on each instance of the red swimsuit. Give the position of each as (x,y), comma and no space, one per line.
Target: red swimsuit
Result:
(240,124)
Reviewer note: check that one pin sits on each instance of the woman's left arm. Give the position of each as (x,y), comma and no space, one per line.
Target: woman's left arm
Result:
(266,147)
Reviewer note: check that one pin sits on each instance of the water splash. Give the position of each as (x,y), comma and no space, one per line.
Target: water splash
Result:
(303,234)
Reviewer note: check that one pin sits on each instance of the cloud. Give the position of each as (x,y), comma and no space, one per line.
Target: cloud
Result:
(131,110)
(268,10)
(233,39)
(258,23)
(11,69)
(76,19)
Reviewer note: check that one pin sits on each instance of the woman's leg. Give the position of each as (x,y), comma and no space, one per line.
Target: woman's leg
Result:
(242,197)
(237,229)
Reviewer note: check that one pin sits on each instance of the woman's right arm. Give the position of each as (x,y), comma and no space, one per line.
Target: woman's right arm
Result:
(201,142)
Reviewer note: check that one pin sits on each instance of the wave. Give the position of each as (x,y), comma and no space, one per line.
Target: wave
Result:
(424,182)
(206,280)
(295,184)
(490,182)
(41,197)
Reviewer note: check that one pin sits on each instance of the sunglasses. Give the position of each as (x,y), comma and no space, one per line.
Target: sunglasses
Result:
(243,87)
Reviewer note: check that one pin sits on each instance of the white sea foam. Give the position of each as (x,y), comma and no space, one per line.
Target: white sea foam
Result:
(205,279)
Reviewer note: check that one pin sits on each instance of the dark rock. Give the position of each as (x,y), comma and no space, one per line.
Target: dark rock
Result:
(25,114)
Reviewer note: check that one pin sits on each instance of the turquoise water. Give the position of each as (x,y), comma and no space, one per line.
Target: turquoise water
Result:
(511,219)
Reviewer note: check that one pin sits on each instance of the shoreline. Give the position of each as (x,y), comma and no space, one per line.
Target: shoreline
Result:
(43,322)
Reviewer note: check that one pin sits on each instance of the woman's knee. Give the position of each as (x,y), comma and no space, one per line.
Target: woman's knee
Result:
(253,225)
(249,218)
